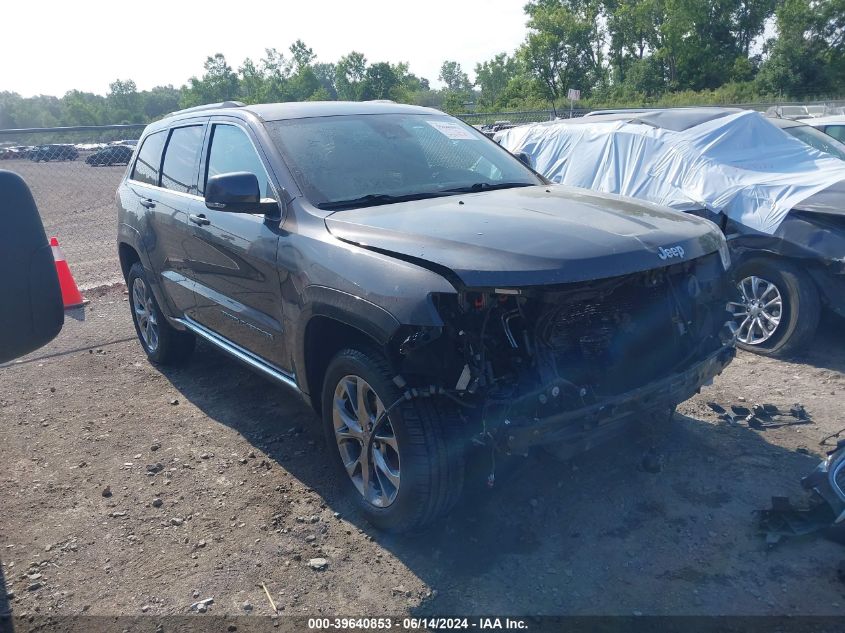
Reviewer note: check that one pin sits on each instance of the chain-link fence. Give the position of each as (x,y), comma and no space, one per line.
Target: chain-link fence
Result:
(492,119)
(73,174)
(495,121)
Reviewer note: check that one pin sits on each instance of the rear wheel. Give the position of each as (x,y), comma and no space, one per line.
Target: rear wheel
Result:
(410,471)
(778,307)
(163,344)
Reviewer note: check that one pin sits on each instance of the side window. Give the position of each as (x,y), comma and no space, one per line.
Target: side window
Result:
(836,131)
(231,150)
(149,159)
(179,170)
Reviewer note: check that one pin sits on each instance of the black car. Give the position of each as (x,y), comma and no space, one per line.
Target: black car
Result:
(420,287)
(111,155)
(47,153)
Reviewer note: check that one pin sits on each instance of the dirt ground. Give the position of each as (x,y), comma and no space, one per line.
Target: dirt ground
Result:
(218,483)
(77,205)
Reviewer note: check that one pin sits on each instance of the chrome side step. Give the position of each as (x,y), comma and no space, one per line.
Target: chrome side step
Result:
(240,353)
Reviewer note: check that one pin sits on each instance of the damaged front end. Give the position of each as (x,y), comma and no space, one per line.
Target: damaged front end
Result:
(570,363)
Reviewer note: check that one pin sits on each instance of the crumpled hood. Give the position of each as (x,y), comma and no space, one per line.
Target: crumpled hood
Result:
(529,235)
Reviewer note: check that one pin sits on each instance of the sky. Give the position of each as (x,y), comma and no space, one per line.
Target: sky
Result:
(85,45)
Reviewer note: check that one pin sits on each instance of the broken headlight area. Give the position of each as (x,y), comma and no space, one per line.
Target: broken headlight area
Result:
(521,356)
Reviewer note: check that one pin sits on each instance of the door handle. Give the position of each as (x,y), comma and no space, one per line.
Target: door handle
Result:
(199,219)
(149,204)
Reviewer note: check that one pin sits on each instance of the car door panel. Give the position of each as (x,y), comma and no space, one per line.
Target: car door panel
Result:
(232,259)
(169,207)
(172,213)
(162,227)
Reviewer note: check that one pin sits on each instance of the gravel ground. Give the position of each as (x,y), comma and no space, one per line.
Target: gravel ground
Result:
(77,205)
(127,489)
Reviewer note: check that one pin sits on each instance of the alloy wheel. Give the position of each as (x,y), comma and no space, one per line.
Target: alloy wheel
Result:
(374,472)
(759,312)
(142,304)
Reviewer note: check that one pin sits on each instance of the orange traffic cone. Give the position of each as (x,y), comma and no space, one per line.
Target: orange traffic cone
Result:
(71,296)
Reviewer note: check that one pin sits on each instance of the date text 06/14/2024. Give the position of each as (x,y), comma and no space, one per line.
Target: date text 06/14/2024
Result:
(416,624)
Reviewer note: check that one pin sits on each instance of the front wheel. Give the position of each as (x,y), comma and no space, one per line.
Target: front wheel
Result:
(408,471)
(778,307)
(162,343)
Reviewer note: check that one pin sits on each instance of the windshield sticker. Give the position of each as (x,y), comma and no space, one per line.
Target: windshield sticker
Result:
(452,130)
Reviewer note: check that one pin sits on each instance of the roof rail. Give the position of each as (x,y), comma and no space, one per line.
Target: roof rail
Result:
(210,106)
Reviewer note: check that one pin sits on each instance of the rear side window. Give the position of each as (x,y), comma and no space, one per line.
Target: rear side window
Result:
(231,150)
(836,131)
(149,159)
(179,171)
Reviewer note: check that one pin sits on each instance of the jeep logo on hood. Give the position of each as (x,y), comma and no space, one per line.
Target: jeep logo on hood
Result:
(668,253)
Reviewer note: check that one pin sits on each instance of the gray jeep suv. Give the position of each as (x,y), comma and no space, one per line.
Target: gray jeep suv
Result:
(419,286)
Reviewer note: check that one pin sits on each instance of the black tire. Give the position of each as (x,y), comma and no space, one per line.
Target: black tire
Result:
(172,346)
(801,305)
(429,439)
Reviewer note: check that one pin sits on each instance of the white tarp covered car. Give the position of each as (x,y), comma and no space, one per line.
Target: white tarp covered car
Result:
(780,202)
(737,163)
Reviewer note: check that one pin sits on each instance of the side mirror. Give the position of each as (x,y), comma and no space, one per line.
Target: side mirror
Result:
(33,313)
(236,192)
(524,158)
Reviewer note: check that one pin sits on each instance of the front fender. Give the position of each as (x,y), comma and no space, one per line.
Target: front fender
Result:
(363,315)
(371,320)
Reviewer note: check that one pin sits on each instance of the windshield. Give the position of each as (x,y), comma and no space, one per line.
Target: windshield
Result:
(817,139)
(363,160)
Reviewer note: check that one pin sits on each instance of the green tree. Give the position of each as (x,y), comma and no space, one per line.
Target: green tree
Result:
(159,101)
(493,76)
(631,32)
(10,103)
(83,108)
(454,77)
(326,74)
(253,82)
(302,55)
(218,83)
(275,69)
(564,47)
(410,88)
(350,72)
(748,21)
(303,85)
(808,55)
(523,92)
(453,102)
(124,102)
(380,80)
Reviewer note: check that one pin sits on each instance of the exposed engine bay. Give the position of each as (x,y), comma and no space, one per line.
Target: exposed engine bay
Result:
(518,356)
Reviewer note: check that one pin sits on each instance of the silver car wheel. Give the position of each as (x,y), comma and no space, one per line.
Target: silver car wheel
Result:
(375,474)
(142,304)
(759,313)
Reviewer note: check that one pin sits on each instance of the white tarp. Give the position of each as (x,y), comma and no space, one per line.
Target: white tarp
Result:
(739,164)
